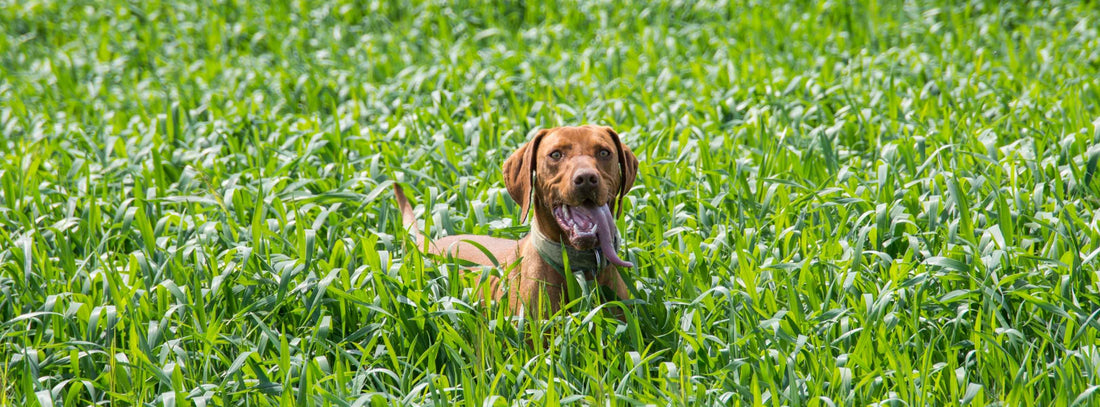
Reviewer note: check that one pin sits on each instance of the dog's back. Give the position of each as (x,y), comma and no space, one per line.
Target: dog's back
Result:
(502,250)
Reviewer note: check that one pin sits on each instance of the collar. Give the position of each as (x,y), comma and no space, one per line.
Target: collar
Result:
(590,262)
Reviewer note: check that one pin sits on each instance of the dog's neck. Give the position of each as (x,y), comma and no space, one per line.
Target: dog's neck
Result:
(589,262)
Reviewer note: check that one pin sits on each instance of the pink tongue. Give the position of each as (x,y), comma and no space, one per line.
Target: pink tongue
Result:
(584,217)
(606,232)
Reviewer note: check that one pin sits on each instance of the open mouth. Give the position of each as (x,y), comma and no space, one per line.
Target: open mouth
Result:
(588,227)
(579,224)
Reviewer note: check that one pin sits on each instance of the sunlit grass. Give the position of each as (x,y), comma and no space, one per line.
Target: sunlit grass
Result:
(839,203)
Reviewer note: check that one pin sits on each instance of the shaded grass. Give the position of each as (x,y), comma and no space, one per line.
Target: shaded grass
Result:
(840,203)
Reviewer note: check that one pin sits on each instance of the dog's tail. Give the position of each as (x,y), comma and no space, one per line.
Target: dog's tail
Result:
(408,218)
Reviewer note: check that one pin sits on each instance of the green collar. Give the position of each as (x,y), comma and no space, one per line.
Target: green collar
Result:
(590,262)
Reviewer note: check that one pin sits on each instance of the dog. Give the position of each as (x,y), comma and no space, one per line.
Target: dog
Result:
(575,179)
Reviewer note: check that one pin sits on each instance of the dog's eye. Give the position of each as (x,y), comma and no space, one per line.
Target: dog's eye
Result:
(604,153)
(556,155)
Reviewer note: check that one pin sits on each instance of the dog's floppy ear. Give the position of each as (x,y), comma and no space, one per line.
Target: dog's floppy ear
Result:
(518,173)
(628,170)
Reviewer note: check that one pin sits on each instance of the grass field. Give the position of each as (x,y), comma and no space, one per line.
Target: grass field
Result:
(840,203)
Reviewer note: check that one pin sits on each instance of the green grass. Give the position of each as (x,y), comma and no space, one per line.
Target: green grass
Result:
(839,202)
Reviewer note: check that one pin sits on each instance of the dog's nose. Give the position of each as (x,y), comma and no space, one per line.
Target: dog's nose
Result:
(586,178)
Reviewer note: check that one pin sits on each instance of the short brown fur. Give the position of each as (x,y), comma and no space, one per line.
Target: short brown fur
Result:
(533,279)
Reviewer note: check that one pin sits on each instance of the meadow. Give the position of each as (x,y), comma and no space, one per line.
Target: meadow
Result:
(839,202)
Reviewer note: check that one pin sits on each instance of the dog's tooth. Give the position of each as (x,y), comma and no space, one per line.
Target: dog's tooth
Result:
(565,208)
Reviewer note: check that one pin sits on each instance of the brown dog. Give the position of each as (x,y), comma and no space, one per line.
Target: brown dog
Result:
(575,178)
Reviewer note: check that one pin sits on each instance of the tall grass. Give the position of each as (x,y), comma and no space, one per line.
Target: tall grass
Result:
(839,203)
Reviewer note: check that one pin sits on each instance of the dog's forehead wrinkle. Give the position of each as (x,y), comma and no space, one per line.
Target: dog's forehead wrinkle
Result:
(557,145)
(573,135)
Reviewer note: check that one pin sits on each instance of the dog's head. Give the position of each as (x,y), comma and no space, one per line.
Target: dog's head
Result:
(581,175)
